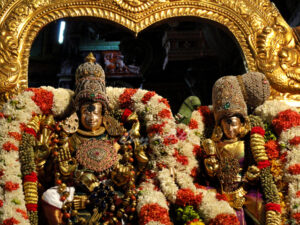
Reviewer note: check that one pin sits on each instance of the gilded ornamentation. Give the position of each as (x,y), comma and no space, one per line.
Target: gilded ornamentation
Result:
(277,53)
(257,26)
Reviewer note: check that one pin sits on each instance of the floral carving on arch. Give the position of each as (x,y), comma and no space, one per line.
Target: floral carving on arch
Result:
(247,20)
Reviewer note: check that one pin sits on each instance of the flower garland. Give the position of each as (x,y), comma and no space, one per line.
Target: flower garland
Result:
(173,157)
(18,207)
(286,122)
(272,206)
(172,149)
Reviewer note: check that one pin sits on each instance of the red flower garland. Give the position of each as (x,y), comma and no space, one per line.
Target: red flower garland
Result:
(148,96)
(43,99)
(263,164)
(1,203)
(8,146)
(165,101)
(272,149)
(286,120)
(223,219)
(30,131)
(298,194)
(1,115)
(193,124)
(17,136)
(154,212)
(186,196)
(294,169)
(221,197)
(295,141)
(32,207)
(165,113)
(10,221)
(32,177)
(181,134)
(258,130)
(181,158)
(126,113)
(296,216)
(10,186)
(125,98)
(156,129)
(273,207)
(171,139)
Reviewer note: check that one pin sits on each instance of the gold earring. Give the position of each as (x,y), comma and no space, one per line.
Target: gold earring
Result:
(217,133)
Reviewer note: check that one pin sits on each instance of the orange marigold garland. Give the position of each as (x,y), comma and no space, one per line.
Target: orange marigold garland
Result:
(224,219)
(43,99)
(8,146)
(193,124)
(181,158)
(154,212)
(17,136)
(148,96)
(272,149)
(165,113)
(10,221)
(295,141)
(286,120)
(125,98)
(10,186)
(186,197)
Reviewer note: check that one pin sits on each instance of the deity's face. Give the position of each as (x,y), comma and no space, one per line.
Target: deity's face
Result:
(91,116)
(231,126)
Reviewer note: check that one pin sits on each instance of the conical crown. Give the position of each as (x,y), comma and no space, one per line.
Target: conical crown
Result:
(89,68)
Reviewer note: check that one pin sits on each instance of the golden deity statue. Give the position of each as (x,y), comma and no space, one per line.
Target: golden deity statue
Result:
(229,160)
(90,177)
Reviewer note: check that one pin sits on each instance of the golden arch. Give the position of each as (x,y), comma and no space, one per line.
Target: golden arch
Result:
(21,20)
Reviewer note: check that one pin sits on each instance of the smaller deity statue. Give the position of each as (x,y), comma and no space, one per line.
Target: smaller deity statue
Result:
(228,160)
(96,163)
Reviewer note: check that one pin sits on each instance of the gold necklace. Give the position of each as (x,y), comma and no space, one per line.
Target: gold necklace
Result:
(94,133)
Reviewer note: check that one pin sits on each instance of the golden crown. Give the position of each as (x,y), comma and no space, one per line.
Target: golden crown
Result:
(89,68)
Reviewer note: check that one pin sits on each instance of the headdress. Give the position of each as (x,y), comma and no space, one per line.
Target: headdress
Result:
(90,83)
(227,98)
(233,94)
(89,69)
(255,88)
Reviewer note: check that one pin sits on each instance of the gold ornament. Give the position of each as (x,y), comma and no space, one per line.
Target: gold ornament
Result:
(217,133)
(257,144)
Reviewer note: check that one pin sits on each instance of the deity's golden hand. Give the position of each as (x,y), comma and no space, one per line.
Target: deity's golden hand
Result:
(66,163)
(120,175)
(211,163)
(80,202)
(252,173)
(43,148)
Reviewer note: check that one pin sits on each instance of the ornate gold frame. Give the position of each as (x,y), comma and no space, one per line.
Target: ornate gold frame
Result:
(268,44)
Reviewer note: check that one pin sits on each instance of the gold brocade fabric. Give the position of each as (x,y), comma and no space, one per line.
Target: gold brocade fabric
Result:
(232,150)
(255,209)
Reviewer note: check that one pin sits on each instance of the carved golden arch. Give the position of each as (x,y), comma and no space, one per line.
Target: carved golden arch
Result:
(252,22)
